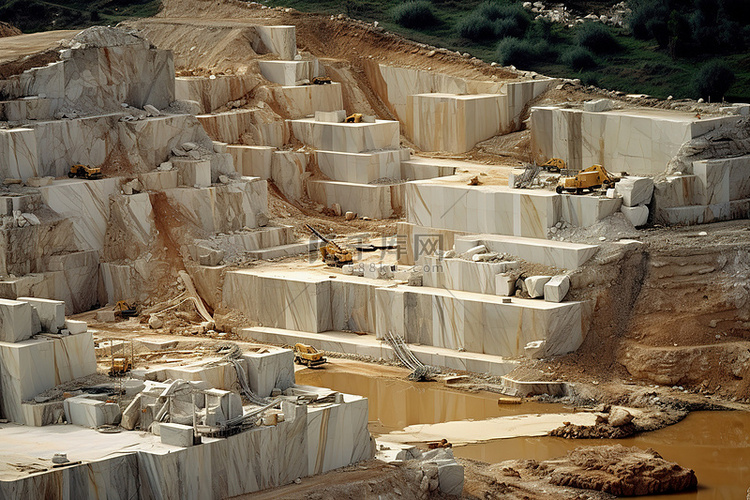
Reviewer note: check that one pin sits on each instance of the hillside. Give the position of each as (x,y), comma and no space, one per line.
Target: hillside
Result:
(656,49)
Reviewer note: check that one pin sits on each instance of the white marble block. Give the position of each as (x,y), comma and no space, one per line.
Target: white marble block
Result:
(337,116)
(269,370)
(556,288)
(505,285)
(347,137)
(289,72)
(15,321)
(638,216)
(305,100)
(51,313)
(280,40)
(535,285)
(93,413)
(176,434)
(635,190)
(193,173)
(75,327)
(253,161)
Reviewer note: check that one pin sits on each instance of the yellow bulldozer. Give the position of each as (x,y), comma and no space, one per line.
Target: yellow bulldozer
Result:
(85,172)
(307,355)
(594,177)
(332,254)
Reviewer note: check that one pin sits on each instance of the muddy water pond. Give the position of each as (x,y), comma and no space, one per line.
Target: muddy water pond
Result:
(716,445)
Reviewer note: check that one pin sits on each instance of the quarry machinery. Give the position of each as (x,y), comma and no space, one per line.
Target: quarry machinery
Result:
(85,172)
(125,309)
(354,118)
(331,253)
(554,165)
(320,80)
(594,177)
(307,355)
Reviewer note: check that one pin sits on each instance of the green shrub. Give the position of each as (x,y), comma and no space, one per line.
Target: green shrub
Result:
(476,28)
(578,58)
(494,20)
(597,38)
(416,14)
(713,80)
(516,52)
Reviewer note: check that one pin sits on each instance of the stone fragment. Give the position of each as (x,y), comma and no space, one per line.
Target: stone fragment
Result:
(221,147)
(556,288)
(261,219)
(484,257)
(471,252)
(165,166)
(32,219)
(635,190)
(336,209)
(189,146)
(638,216)
(598,105)
(131,416)
(151,110)
(39,181)
(92,413)
(619,416)
(105,316)
(155,322)
(15,321)
(378,271)
(350,215)
(535,285)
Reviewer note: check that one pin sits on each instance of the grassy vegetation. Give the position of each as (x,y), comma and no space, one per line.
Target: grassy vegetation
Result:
(661,61)
(38,15)
(661,53)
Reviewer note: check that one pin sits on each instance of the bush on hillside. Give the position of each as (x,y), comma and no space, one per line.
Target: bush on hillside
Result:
(713,80)
(597,38)
(416,14)
(516,52)
(494,20)
(578,58)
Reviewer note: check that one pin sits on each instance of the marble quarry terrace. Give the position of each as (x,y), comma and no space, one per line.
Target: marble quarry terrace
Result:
(198,221)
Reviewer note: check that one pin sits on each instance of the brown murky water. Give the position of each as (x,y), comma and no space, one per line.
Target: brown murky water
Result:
(714,444)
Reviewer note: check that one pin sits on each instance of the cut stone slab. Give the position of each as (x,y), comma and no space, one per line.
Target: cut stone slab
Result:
(157,344)
(92,413)
(51,313)
(635,190)
(557,288)
(176,434)
(75,327)
(15,321)
(106,316)
(535,285)
(638,216)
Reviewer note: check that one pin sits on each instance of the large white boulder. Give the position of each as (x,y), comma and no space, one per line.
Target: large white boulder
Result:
(635,190)
(557,288)
(638,216)
(535,285)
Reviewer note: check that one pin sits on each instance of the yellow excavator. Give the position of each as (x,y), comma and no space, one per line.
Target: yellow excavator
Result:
(85,172)
(307,355)
(554,165)
(320,80)
(594,177)
(332,254)
(354,118)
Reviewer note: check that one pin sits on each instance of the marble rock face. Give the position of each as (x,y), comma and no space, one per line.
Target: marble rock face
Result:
(377,201)
(15,320)
(270,370)
(193,173)
(347,137)
(289,173)
(635,190)
(638,216)
(360,168)
(263,126)
(32,366)
(584,211)
(252,161)
(290,73)
(51,313)
(640,142)
(560,254)
(92,413)
(279,40)
(79,270)
(535,285)
(213,93)
(556,288)
(305,100)
(454,123)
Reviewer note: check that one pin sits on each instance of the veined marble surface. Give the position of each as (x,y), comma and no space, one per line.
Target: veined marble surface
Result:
(262,125)
(213,93)
(377,201)
(304,100)
(361,168)
(347,137)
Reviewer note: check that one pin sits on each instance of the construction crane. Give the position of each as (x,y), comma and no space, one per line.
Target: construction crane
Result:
(332,254)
